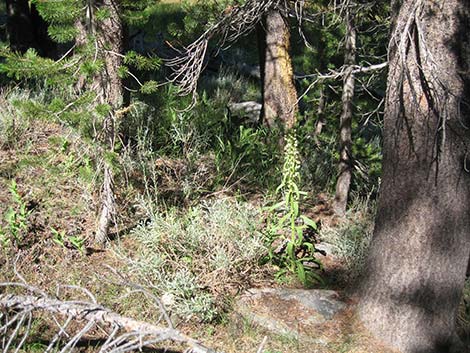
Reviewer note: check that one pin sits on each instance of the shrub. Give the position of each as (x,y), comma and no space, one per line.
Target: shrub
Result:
(195,259)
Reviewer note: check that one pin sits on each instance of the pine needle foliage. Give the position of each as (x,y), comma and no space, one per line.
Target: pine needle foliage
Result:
(61,16)
(85,86)
(80,64)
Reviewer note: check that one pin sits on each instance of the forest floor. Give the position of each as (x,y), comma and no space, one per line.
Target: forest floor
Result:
(50,179)
(57,188)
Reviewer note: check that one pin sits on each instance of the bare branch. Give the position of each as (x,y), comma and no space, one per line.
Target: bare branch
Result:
(189,63)
(336,74)
(124,334)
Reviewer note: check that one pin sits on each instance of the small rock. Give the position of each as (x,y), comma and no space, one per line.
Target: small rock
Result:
(250,110)
(296,312)
(168,300)
(329,249)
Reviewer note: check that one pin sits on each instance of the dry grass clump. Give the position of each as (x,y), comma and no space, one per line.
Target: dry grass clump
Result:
(13,127)
(196,259)
(350,239)
(463,319)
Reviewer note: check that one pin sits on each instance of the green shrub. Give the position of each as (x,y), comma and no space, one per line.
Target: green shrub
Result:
(210,150)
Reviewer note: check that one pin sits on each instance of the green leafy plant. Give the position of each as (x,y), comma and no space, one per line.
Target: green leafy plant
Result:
(58,237)
(4,239)
(65,241)
(77,242)
(16,218)
(291,249)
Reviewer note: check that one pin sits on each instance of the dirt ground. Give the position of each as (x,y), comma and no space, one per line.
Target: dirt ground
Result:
(50,179)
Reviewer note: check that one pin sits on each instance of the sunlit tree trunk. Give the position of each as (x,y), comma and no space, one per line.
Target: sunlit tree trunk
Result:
(421,243)
(279,94)
(321,119)
(343,182)
(110,41)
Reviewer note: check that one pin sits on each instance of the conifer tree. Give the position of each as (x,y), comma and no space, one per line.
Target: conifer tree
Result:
(278,89)
(343,182)
(420,247)
(86,82)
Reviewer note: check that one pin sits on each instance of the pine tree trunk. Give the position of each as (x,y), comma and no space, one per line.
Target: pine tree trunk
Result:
(108,85)
(279,94)
(261,40)
(421,243)
(19,27)
(321,121)
(345,141)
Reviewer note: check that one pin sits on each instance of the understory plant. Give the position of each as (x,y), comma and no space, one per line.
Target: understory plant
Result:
(196,259)
(16,218)
(290,233)
(65,241)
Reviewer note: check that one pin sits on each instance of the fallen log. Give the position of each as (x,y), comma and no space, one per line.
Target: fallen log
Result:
(123,334)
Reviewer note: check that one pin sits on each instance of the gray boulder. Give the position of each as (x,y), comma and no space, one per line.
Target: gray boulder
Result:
(296,312)
(250,110)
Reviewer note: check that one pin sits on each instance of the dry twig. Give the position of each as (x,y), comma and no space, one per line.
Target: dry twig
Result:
(188,65)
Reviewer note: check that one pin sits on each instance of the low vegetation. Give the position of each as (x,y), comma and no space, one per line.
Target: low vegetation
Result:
(198,259)
(207,202)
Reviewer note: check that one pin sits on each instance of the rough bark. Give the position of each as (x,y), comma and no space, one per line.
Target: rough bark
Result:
(261,39)
(19,26)
(278,89)
(345,139)
(321,116)
(421,243)
(108,85)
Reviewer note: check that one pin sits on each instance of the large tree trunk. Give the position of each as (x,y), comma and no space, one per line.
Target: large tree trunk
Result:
(278,89)
(345,140)
(108,85)
(19,27)
(421,243)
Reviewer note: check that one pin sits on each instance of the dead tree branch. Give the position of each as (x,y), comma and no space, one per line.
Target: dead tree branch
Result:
(336,74)
(189,63)
(122,334)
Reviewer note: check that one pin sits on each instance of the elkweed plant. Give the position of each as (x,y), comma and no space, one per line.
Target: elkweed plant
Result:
(291,249)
